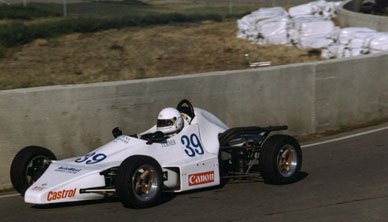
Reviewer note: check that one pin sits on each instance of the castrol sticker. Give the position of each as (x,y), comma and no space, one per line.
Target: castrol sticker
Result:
(62,194)
(201,178)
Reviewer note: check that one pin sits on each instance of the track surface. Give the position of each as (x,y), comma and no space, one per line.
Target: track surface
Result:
(344,180)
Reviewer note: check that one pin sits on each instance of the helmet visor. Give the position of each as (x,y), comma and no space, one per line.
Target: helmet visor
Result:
(165,122)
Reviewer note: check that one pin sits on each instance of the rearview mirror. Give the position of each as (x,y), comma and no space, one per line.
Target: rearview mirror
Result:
(116,132)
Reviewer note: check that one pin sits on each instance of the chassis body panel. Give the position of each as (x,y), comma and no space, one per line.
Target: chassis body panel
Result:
(188,159)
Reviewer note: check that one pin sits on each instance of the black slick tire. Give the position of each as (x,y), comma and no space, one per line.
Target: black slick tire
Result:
(280,160)
(139,182)
(28,165)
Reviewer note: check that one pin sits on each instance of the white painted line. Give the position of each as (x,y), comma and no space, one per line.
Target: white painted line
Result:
(345,137)
(9,195)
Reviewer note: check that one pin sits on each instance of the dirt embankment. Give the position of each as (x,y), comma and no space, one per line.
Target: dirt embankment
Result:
(135,53)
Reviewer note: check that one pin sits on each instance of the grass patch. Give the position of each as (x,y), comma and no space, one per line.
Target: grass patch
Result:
(138,53)
(18,33)
(3,51)
(134,7)
(25,13)
(314,52)
(98,8)
(130,40)
(96,16)
(116,47)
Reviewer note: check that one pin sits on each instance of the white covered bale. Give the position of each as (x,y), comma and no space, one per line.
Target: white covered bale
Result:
(306,42)
(313,25)
(338,51)
(371,51)
(273,31)
(348,34)
(312,32)
(358,51)
(330,11)
(247,24)
(361,40)
(301,10)
(319,8)
(341,51)
(309,27)
(352,41)
(334,51)
(379,42)
(263,13)
(359,45)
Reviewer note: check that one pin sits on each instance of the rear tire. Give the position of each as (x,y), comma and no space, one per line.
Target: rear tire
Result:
(28,166)
(139,182)
(280,159)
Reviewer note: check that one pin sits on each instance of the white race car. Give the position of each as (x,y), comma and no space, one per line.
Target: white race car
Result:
(204,153)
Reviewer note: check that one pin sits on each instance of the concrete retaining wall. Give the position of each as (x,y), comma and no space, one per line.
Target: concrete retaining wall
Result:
(312,97)
(348,16)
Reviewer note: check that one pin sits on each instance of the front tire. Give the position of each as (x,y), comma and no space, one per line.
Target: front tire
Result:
(28,166)
(139,182)
(280,160)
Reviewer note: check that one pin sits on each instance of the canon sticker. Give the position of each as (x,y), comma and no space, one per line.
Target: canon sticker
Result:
(201,178)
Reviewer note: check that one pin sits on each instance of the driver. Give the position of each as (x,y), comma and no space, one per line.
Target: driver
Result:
(170,121)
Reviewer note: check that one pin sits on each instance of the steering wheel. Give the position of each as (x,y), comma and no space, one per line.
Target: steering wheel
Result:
(188,109)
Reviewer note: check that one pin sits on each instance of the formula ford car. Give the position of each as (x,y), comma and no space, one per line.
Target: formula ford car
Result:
(204,153)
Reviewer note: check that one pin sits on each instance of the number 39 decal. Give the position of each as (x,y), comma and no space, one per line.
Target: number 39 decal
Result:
(95,158)
(193,145)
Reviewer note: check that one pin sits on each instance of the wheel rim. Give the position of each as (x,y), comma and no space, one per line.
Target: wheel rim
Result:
(36,167)
(145,182)
(287,160)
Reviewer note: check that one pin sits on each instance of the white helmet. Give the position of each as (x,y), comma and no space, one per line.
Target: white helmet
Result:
(169,121)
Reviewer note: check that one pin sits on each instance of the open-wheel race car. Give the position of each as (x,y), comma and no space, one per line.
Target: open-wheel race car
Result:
(190,151)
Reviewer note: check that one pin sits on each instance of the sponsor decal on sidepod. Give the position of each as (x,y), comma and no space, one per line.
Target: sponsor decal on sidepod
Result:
(39,188)
(201,178)
(68,170)
(63,194)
